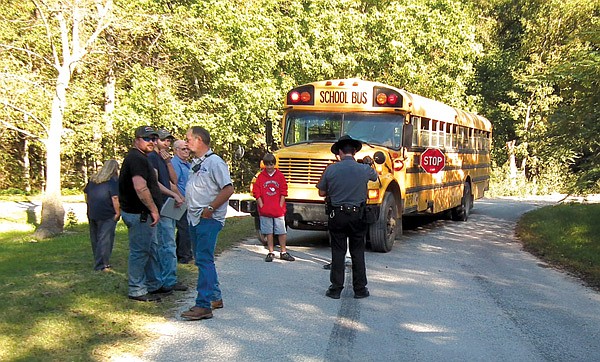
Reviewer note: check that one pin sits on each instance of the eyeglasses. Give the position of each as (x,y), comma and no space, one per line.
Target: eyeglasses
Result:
(149,139)
(183,149)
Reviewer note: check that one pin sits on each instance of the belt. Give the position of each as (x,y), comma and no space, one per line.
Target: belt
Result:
(347,208)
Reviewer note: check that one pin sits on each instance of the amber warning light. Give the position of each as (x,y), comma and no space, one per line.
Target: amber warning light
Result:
(386,98)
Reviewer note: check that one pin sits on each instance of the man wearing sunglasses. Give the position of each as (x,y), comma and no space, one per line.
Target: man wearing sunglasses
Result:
(140,199)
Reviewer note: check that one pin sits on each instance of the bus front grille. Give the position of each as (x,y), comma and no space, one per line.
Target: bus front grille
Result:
(302,170)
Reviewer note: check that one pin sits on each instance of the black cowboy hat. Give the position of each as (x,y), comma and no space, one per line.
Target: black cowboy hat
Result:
(345,140)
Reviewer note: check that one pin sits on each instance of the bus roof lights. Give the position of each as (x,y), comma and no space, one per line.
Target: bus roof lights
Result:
(392,99)
(295,97)
(305,97)
(381,99)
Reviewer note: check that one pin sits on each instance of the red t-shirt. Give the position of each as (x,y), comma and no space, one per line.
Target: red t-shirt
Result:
(270,189)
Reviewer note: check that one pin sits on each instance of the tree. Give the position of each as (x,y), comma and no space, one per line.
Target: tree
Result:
(69,30)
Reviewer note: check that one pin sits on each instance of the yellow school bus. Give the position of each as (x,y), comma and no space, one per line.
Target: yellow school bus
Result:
(430,157)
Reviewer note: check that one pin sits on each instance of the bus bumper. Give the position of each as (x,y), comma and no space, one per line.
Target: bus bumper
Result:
(306,216)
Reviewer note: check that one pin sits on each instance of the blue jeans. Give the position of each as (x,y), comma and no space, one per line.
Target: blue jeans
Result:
(102,236)
(204,239)
(143,269)
(167,254)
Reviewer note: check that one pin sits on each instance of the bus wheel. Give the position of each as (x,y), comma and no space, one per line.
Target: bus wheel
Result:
(462,212)
(383,232)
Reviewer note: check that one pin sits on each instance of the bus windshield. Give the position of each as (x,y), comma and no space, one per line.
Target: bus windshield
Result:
(381,129)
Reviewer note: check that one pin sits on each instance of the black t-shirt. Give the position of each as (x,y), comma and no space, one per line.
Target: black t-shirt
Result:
(136,164)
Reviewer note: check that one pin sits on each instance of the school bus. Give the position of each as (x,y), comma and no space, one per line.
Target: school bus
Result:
(430,157)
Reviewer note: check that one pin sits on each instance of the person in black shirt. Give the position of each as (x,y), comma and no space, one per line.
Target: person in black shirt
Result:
(141,200)
(345,185)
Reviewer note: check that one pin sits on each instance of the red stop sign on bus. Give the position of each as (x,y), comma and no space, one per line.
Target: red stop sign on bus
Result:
(433,160)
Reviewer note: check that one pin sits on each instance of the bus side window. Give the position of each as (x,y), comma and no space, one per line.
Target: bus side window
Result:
(448,135)
(425,135)
(416,122)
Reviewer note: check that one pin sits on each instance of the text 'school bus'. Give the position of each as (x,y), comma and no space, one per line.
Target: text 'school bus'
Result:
(430,157)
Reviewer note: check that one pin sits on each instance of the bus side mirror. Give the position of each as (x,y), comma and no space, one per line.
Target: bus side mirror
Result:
(269,134)
(407,135)
(379,158)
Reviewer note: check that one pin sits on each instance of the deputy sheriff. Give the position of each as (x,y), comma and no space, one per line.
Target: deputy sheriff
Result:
(344,183)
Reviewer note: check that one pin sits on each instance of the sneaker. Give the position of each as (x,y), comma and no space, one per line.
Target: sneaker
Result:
(164,291)
(180,287)
(197,313)
(270,257)
(286,256)
(333,294)
(327,266)
(145,298)
(216,304)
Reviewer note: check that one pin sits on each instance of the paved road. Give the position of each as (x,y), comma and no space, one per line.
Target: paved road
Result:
(449,291)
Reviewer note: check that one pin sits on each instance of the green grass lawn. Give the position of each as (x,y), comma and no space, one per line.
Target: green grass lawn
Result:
(566,236)
(54,307)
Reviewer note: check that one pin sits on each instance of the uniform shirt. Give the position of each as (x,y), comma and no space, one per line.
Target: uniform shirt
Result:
(345,182)
(270,188)
(99,199)
(182,169)
(136,164)
(160,165)
(204,185)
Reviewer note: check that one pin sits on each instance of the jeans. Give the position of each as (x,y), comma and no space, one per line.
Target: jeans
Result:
(182,239)
(204,238)
(102,236)
(167,251)
(144,268)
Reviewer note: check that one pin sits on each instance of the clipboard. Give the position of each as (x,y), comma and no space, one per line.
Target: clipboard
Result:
(169,210)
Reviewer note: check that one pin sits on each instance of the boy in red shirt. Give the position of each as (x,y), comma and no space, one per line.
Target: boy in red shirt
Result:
(270,190)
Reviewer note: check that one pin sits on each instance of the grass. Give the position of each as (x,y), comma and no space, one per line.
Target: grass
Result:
(566,236)
(54,307)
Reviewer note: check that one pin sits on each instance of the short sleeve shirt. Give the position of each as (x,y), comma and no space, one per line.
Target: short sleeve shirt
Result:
(204,184)
(182,169)
(136,164)
(345,182)
(99,199)
(160,165)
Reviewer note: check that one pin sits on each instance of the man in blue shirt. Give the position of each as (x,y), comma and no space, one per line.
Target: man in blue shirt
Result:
(181,165)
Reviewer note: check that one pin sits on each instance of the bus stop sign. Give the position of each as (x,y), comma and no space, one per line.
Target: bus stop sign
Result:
(433,160)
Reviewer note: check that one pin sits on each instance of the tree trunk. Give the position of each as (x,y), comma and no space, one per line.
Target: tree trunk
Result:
(53,213)
(512,162)
(26,166)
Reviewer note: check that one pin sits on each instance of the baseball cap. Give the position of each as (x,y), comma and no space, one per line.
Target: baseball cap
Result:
(145,131)
(164,134)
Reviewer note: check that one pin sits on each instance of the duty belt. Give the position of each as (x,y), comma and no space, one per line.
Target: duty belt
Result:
(347,208)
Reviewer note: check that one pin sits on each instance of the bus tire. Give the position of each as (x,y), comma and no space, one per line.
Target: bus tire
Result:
(462,212)
(383,232)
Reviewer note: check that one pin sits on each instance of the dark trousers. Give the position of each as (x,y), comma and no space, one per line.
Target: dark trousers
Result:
(182,239)
(102,236)
(347,227)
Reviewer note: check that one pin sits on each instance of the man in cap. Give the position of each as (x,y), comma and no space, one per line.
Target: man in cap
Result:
(345,184)
(160,159)
(181,164)
(140,199)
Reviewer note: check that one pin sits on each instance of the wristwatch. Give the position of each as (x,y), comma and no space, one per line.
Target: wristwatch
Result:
(210,208)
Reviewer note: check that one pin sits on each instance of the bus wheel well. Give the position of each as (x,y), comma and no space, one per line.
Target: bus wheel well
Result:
(394,189)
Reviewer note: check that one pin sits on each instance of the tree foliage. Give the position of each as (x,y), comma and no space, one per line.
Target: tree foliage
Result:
(531,66)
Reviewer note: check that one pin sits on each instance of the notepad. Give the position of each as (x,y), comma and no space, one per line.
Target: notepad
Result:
(170,210)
